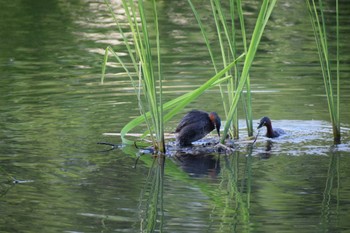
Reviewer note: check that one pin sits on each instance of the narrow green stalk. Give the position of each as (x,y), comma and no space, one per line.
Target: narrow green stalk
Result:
(226,41)
(217,15)
(248,100)
(204,34)
(318,24)
(231,54)
(234,81)
(206,40)
(264,14)
(149,90)
(338,69)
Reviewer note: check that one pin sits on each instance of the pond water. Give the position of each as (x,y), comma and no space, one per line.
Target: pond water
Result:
(53,177)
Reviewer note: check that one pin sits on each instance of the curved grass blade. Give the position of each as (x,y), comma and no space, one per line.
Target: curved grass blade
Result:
(174,106)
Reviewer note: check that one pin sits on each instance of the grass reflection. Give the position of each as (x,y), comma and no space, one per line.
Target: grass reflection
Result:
(6,182)
(236,185)
(229,193)
(240,190)
(151,207)
(332,183)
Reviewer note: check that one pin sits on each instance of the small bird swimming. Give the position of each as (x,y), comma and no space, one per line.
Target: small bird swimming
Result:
(270,133)
(196,125)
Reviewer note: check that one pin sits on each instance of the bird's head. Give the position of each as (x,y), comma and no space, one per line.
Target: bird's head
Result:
(216,121)
(264,122)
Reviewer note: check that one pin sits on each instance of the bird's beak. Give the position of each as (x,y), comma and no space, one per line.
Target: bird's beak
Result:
(260,125)
(217,126)
(218,130)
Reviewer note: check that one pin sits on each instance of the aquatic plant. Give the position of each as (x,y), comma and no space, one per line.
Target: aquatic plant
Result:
(226,34)
(172,107)
(146,74)
(227,42)
(318,23)
(148,81)
(146,66)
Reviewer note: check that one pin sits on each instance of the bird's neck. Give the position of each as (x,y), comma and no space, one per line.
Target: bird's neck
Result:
(270,132)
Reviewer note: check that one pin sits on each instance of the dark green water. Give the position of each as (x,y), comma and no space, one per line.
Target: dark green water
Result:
(53,111)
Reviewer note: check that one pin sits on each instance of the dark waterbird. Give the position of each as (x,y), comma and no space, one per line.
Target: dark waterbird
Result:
(270,133)
(196,125)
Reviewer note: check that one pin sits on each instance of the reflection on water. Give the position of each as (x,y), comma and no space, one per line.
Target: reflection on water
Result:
(151,206)
(199,165)
(54,110)
(249,186)
(266,153)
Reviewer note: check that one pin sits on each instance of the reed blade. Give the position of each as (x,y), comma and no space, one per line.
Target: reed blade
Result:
(318,23)
(264,14)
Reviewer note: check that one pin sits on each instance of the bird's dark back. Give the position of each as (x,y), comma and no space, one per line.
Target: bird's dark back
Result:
(200,118)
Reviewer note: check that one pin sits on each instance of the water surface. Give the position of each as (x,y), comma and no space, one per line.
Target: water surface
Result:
(54,110)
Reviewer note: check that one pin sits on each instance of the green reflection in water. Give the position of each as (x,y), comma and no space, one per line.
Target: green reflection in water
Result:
(151,207)
(331,192)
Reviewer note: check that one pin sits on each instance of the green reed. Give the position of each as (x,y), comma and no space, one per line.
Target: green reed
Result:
(146,74)
(318,22)
(264,14)
(146,66)
(227,36)
(174,106)
(145,70)
(227,45)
